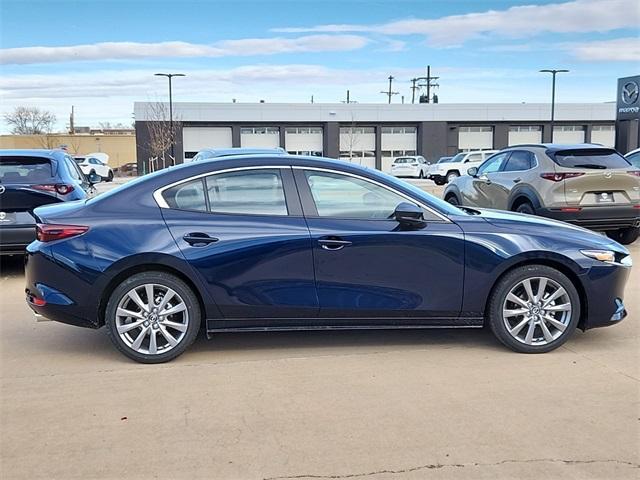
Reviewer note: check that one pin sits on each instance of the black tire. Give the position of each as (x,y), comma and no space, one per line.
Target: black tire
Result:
(451,176)
(625,236)
(494,315)
(452,199)
(420,175)
(165,280)
(110,176)
(526,207)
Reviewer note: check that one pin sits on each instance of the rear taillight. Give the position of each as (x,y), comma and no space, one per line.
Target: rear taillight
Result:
(635,173)
(48,232)
(60,188)
(558,177)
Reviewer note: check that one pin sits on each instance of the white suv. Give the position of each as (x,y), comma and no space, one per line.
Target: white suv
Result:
(445,172)
(410,166)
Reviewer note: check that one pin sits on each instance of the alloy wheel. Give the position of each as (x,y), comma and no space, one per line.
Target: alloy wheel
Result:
(537,311)
(152,319)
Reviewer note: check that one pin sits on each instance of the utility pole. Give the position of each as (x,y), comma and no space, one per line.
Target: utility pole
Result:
(72,128)
(173,140)
(414,87)
(553,73)
(390,92)
(429,82)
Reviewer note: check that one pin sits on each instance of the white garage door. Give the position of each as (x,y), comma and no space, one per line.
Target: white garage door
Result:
(604,135)
(260,137)
(568,134)
(195,139)
(358,145)
(397,142)
(475,138)
(522,134)
(303,140)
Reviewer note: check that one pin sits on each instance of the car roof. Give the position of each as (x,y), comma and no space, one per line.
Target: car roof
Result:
(226,152)
(556,147)
(35,152)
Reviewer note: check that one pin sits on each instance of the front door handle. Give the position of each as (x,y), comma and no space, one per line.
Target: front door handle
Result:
(199,239)
(333,243)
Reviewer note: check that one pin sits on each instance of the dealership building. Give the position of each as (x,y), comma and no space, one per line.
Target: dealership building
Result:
(373,134)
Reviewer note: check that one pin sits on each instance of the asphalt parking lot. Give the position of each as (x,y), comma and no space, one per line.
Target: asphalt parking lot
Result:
(317,405)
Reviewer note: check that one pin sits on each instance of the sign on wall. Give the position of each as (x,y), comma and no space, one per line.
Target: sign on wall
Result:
(628,99)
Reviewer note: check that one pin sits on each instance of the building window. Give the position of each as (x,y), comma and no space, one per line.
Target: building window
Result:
(568,128)
(356,130)
(603,128)
(306,153)
(525,128)
(478,129)
(304,130)
(398,130)
(259,131)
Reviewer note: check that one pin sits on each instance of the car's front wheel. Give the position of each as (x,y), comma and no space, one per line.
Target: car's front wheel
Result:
(452,199)
(451,176)
(534,309)
(152,317)
(625,236)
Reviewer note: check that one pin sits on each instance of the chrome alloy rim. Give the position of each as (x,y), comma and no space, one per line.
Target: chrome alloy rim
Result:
(152,319)
(537,318)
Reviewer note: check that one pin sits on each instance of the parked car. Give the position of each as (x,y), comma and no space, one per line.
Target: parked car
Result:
(445,172)
(410,166)
(444,159)
(90,165)
(588,185)
(274,242)
(227,152)
(633,157)
(128,169)
(29,179)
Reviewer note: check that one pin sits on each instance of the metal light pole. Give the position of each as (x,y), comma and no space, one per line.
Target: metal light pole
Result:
(170,76)
(553,94)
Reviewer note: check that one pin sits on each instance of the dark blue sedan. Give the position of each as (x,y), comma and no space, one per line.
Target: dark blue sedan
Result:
(279,242)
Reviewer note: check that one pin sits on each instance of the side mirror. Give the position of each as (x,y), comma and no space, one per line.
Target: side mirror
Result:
(473,171)
(94,178)
(409,215)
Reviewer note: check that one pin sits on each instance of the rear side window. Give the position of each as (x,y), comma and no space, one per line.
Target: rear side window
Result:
(24,169)
(187,196)
(248,192)
(519,160)
(597,158)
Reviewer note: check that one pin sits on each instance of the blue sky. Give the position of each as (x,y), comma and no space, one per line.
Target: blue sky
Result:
(100,56)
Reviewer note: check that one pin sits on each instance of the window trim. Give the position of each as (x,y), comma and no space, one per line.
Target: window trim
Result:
(366,179)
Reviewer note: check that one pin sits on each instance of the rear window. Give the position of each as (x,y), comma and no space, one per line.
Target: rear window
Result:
(24,169)
(405,160)
(590,158)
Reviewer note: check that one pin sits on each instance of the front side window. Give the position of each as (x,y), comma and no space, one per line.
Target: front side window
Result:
(342,196)
(247,192)
(493,164)
(474,157)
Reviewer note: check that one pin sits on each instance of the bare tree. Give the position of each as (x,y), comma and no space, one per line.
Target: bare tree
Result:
(161,136)
(30,121)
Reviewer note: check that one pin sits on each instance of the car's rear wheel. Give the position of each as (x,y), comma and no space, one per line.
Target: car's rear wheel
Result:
(525,207)
(625,236)
(152,317)
(451,176)
(534,309)
(452,199)
(110,176)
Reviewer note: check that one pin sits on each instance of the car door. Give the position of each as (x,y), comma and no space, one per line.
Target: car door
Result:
(78,177)
(510,175)
(99,167)
(484,190)
(365,264)
(243,232)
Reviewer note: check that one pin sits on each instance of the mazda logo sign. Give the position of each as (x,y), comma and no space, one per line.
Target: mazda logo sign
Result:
(2,189)
(630,92)
(607,175)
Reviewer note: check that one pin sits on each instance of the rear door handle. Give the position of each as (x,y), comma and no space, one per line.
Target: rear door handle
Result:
(199,239)
(333,243)
(516,180)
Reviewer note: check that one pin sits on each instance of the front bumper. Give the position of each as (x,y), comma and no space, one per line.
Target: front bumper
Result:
(603,295)
(436,177)
(14,239)
(596,218)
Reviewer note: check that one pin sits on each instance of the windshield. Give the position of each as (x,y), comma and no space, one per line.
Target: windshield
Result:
(601,158)
(457,158)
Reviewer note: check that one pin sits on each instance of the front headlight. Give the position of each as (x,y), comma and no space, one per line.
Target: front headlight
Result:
(608,256)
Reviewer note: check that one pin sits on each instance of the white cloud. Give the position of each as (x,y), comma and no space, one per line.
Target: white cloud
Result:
(516,22)
(134,50)
(616,50)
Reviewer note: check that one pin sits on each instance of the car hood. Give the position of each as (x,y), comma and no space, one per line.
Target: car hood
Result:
(534,225)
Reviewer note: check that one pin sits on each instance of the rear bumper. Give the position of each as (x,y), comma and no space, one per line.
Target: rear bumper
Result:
(596,218)
(14,240)
(405,173)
